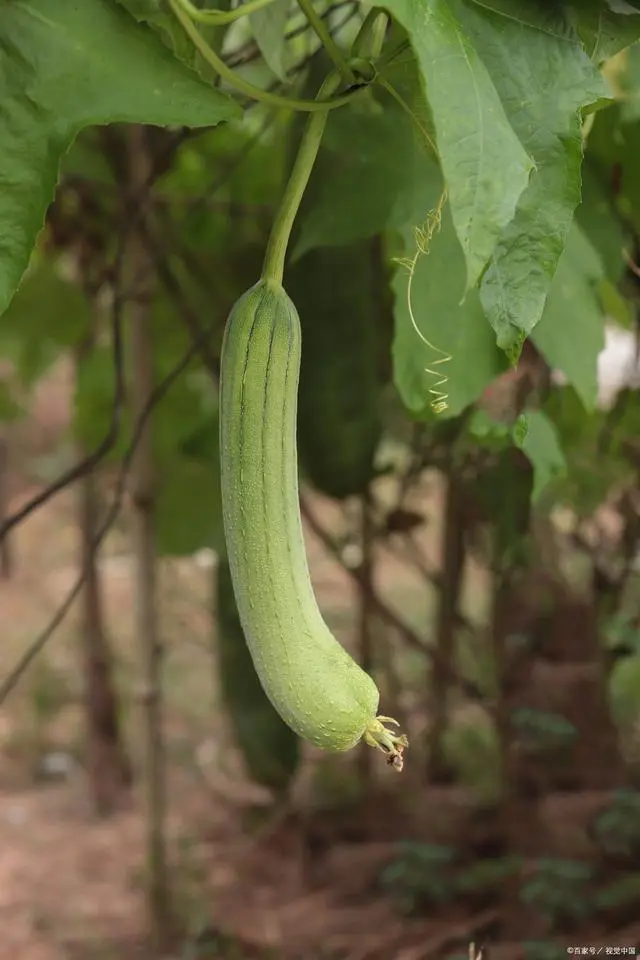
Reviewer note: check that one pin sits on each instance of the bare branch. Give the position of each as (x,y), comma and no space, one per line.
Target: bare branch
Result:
(158,394)
(377,604)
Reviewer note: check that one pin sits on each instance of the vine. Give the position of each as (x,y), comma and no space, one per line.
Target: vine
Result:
(423,236)
(248,89)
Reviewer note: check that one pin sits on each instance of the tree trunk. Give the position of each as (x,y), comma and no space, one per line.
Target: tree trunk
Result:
(6,555)
(522,832)
(143,494)
(366,589)
(107,762)
(438,770)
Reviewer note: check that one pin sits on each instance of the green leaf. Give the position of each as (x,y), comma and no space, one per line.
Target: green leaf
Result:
(9,409)
(622,426)
(65,66)
(604,142)
(504,493)
(581,434)
(190,404)
(46,315)
(268,28)
(542,447)
(614,305)
(229,163)
(185,408)
(605,31)
(488,433)
(143,9)
(180,414)
(336,291)
(621,6)
(486,168)
(373,174)
(87,159)
(600,221)
(189,495)
(158,15)
(544,78)
(520,430)
(630,106)
(630,182)
(94,404)
(189,513)
(571,332)
(454,327)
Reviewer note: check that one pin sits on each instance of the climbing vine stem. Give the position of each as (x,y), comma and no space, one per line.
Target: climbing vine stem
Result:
(217,18)
(320,28)
(273,267)
(319,106)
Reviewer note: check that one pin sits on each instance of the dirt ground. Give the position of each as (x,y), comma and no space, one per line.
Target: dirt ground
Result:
(71,886)
(300,884)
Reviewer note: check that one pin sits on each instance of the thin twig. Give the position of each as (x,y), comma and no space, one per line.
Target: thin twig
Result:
(158,394)
(186,312)
(377,604)
(89,462)
(250,51)
(6,554)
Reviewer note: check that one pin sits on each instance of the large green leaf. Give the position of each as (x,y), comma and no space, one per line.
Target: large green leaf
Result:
(337,292)
(268,27)
(189,497)
(455,327)
(503,492)
(374,173)
(630,182)
(48,313)
(183,411)
(189,516)
(630,106)
(94,403)
(65,66)
(605,30)
(544,78)
(571,332)
(600,221)
(542,447)
(605,26)
(582,434)
(187,405)
(87,159)
(159,16)
(485,165)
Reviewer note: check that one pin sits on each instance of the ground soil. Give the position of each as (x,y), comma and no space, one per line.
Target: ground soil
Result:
(71,885)
(303,884)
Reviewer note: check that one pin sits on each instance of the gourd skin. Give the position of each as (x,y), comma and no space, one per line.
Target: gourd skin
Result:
(310,679)
(269,748)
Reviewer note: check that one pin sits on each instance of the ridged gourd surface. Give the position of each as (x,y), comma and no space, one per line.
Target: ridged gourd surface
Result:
(311,680)
(269,747)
